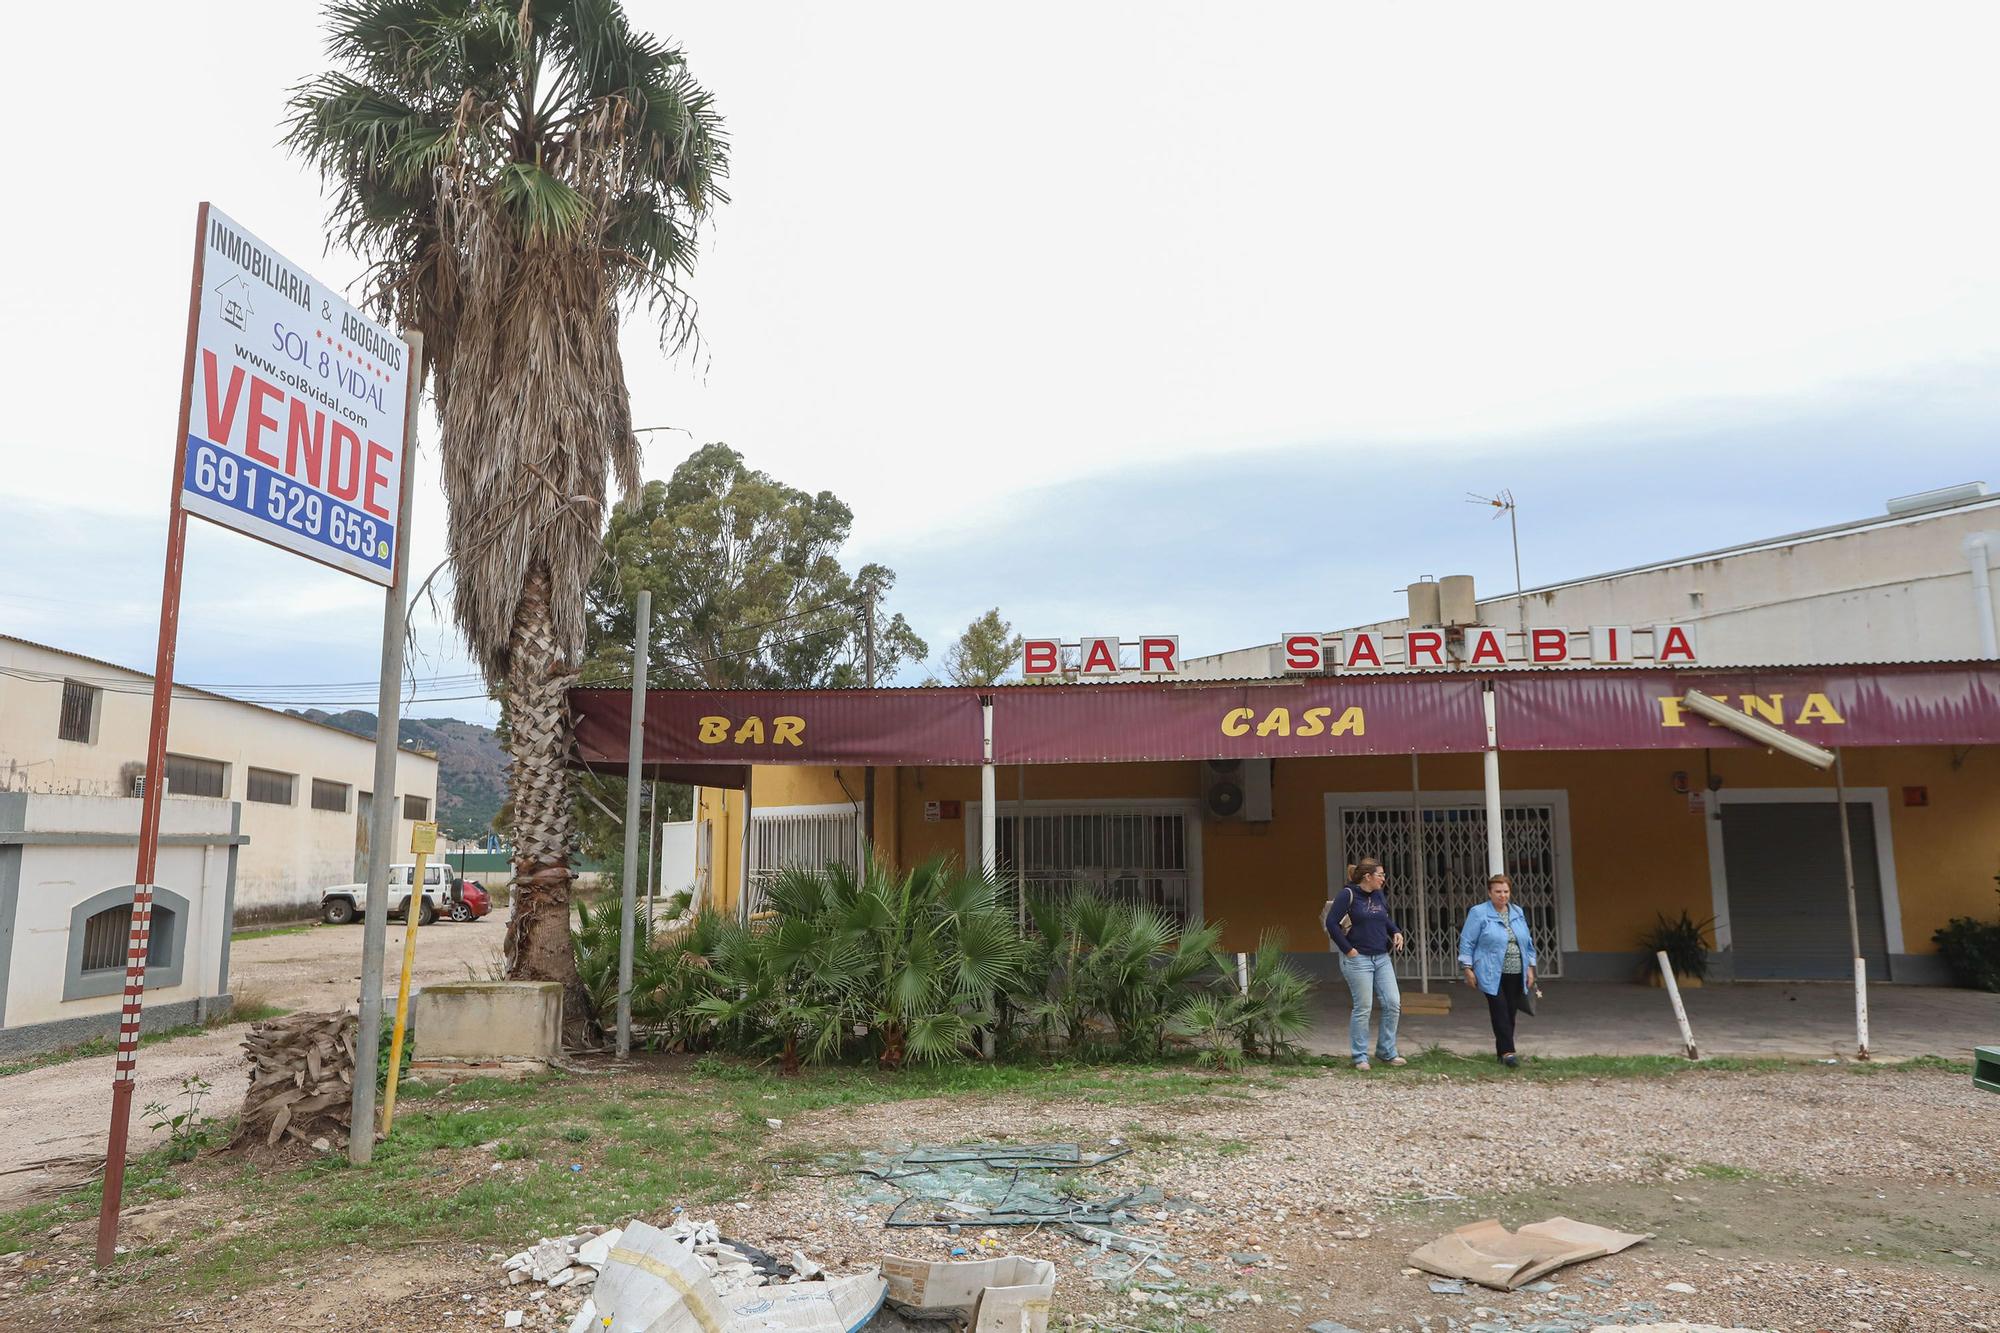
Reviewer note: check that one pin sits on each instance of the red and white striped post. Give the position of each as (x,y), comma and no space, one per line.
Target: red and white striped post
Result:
(126,1072)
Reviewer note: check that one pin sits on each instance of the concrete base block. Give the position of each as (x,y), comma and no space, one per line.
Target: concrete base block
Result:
(489,1023)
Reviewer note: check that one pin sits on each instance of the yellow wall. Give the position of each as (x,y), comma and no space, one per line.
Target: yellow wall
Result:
(1636,849)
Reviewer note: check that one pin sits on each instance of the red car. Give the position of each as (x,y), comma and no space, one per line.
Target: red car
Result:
(470,902)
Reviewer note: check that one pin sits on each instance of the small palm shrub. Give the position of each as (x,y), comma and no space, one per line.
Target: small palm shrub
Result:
(1110,977)
(1277,1003)
(672,973)
(908,964)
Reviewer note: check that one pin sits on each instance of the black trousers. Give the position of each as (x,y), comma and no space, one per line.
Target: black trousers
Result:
(1502,1007)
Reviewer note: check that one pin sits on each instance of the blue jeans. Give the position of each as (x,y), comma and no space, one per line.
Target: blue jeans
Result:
(1370,977)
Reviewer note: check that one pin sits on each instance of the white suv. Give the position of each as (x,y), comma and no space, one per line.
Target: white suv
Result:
(344,903)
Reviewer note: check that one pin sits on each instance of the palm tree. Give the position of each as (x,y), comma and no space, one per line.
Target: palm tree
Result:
(518,174)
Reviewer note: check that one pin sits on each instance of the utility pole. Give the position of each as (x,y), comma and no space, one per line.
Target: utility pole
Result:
(868,676)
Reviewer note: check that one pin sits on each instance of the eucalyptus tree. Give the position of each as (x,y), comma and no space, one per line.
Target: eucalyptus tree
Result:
(520,176)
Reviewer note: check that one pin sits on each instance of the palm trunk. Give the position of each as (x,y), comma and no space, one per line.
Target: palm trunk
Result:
(544,823)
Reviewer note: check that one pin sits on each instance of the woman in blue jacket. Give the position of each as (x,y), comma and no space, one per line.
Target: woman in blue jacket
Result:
(1498,955)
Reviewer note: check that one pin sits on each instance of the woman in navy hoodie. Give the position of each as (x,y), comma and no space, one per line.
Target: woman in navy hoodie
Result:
(1364,944)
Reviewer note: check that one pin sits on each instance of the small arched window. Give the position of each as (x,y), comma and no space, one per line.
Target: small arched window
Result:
(100,931)
(106,933)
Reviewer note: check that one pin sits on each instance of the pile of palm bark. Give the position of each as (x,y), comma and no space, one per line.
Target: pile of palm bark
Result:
(301,1081)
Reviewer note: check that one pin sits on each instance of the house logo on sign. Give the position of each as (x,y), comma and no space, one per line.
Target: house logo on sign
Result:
(232,302)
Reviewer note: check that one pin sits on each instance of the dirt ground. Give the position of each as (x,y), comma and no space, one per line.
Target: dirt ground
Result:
(1802,1199)
(61,1111)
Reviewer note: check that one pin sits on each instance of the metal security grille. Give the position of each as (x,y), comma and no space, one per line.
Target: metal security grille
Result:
(1454,845)
(106,934)
(189,776)
(1133,854)
(783,839)
(270,786)
(79,710)
(329,796)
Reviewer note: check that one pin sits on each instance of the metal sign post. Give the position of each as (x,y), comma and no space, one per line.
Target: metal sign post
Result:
(382,814)
(287,394)
(125,1073)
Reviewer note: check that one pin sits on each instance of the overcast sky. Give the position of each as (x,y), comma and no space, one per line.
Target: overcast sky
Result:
(1128,318)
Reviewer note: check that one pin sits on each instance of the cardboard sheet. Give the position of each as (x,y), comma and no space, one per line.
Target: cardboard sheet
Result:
(1487,1253)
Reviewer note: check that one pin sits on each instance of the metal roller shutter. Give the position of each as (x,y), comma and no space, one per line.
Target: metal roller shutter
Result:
(1788,891)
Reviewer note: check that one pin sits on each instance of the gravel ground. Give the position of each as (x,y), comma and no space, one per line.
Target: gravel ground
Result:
(1800,1200)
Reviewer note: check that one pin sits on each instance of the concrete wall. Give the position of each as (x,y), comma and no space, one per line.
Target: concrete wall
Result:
(294,851)
(1635,848)
(1895,591)
(59,851)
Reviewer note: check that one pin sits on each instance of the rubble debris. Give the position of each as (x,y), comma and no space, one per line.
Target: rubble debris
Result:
(301,1081)
(1487,1253)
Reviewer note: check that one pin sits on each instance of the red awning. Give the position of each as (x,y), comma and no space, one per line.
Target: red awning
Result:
(719,732)
(1829,706)
(1097,724)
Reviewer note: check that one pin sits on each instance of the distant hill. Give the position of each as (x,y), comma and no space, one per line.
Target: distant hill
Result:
(472,768)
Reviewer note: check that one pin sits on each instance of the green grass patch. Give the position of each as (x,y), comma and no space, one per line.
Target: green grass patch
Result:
(96,1046)
(266,932)
(1719,1171)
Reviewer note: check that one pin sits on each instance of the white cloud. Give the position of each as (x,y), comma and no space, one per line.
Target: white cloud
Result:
(977,251)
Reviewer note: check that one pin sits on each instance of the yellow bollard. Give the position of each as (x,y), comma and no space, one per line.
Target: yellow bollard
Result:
(423,841)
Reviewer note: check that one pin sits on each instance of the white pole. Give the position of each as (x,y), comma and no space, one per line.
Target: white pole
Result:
(989,836)
(1496,847)
(1417,873)
(1853,911)
(1861,1008)
(1680,1013)
(653,838)
(1242,974)
(628,897)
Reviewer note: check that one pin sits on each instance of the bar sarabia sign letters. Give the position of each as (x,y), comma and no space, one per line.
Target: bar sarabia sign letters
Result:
(1488,646)
(1366,650)
(295,424)
(1102,656)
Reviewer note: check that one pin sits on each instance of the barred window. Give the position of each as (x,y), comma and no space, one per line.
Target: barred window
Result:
(106,934)
(79,712)
(416,807)
(271,787)
(330,796)
(190,776)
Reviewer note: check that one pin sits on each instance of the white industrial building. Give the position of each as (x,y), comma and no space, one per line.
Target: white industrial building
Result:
(74,725)
(1912,584)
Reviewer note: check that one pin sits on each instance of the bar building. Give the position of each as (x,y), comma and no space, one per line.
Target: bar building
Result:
(1243,799)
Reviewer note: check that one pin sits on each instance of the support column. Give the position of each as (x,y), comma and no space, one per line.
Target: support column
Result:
(1496,846)
(989,838)
(628,889)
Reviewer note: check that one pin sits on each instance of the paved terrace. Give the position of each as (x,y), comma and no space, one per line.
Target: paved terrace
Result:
(1813,1020)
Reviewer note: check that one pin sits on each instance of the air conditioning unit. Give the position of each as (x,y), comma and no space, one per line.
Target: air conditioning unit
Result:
(1236,789)
(139,785)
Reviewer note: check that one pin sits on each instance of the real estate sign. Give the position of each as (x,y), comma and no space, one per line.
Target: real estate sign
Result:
(295,422)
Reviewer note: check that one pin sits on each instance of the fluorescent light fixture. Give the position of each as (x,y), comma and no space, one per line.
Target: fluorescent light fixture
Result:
(1761,732)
